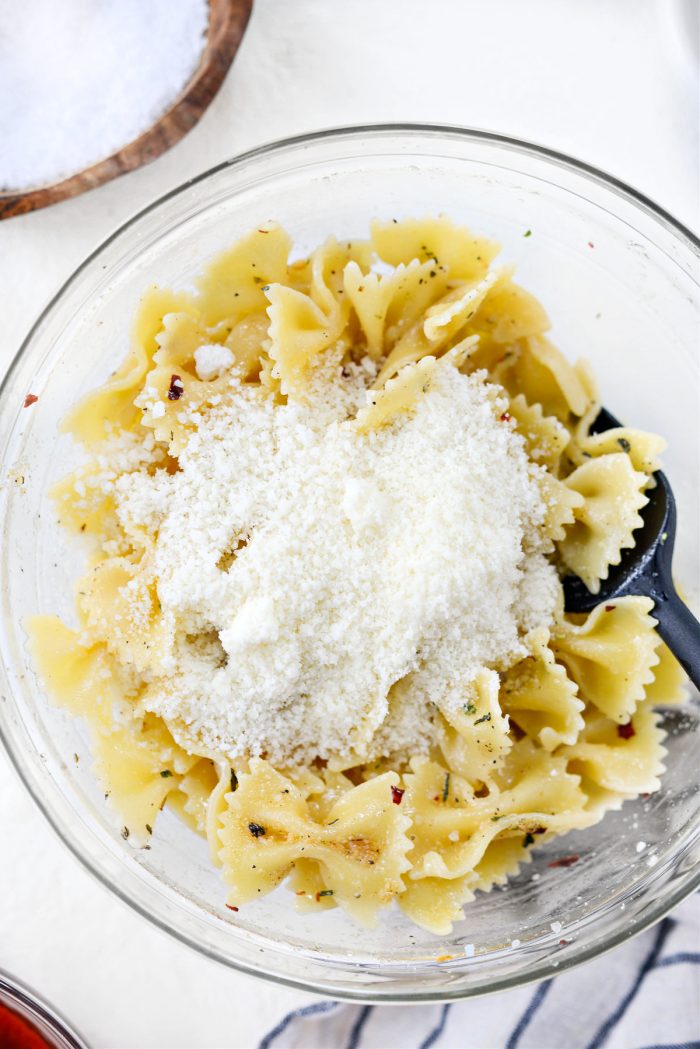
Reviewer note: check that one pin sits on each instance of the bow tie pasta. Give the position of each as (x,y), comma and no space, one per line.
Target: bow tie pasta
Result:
(329,501)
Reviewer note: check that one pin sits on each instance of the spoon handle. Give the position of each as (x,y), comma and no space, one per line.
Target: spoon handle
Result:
(681,631)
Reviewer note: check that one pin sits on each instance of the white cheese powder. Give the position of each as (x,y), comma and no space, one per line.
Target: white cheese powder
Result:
(309,568)
(212,359)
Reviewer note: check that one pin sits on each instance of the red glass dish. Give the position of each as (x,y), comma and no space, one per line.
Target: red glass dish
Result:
(28,1022)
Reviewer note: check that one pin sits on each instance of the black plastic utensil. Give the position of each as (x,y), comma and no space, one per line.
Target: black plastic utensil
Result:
(645,571)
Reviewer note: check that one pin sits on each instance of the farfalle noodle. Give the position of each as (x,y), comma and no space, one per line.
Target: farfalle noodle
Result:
(435,796)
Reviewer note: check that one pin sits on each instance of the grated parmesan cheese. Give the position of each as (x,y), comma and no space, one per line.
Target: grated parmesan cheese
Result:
(212,359)
(327,588)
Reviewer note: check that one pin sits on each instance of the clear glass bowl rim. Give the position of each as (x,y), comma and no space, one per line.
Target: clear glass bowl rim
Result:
(685,883)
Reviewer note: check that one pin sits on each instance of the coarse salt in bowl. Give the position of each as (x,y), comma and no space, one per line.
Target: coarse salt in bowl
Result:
(619,279)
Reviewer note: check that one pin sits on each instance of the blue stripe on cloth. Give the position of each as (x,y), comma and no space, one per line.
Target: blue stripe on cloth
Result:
(684,1045)
(356,1032)
(693,957)
(649,962)
(533,1005)
(308,1010)
(433,1036)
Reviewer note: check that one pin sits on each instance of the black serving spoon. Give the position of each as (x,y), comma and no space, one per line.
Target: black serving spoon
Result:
(645,570)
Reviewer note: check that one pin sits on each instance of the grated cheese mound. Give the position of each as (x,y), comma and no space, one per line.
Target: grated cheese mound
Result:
(307,568)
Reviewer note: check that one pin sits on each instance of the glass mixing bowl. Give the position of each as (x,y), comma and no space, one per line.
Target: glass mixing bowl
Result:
(620,281)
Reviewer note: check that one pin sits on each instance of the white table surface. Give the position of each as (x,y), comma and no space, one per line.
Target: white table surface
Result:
(604,80)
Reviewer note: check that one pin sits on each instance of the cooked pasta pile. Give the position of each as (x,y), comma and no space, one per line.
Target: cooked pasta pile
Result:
(329,503)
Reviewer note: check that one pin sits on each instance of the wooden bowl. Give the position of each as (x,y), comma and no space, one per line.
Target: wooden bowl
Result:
(227,22)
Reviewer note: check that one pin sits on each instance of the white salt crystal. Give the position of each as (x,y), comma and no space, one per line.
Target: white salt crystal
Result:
(555,926)
(82,79)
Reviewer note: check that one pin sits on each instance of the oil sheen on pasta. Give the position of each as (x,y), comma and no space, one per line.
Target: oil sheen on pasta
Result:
(327,504)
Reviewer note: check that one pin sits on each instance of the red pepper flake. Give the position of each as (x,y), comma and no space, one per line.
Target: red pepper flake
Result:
(506,417)
(645,796)
(397,794)
(565,943)
(565,861)
(591,244)
(626,731)
(610,608)
(176,388)
(30,399)
(230,907)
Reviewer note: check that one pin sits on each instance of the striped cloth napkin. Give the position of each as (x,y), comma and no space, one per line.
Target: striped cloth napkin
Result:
(643,995)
